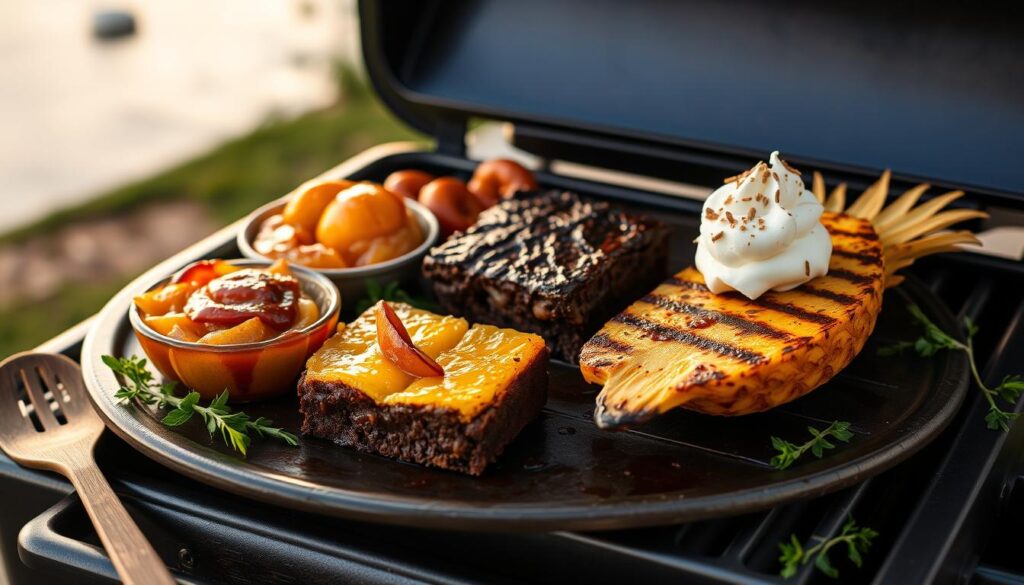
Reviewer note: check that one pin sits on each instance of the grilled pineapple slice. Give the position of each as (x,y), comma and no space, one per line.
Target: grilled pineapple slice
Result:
(683,346)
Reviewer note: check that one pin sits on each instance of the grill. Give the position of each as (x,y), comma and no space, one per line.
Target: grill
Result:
(949,514)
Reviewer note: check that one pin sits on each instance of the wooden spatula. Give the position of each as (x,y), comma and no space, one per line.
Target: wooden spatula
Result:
(46,422)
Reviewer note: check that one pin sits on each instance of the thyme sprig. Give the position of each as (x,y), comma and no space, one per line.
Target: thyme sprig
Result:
(933,339)
(235,427)
(856,538)
(819,443)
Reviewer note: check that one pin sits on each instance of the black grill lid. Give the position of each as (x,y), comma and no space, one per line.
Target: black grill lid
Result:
(930,89)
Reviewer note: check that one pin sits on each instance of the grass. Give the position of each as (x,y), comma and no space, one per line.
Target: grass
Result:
(230,181)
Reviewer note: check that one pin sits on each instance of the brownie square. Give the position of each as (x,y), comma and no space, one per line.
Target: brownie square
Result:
(551,263)
(425,434)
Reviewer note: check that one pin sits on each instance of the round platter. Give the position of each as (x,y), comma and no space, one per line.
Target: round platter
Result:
(561,472)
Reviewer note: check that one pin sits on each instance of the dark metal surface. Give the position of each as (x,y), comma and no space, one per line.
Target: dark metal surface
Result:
(956,481)
(927,88)
(562,473)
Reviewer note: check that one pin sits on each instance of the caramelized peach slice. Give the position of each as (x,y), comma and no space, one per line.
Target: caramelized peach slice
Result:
(166,299)
(308,314)
(177,332)
(202,272)
(397,346)
(249,331)
(307,205)
(164,324)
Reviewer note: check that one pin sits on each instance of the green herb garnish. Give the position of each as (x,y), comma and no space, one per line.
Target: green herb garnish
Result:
(390,292)
(935,339)
(234,427)
(857,540)
(819,443)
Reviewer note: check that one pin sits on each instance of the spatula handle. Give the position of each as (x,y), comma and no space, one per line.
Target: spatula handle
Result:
(133,557)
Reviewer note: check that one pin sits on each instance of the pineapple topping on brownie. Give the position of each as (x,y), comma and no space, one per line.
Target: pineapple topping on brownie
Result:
(494,383)
(353,358)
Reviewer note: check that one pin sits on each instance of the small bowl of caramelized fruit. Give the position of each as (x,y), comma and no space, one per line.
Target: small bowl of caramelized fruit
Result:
(243,326)
(350,232)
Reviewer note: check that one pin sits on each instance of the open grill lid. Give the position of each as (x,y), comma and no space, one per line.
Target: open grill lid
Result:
(928,89)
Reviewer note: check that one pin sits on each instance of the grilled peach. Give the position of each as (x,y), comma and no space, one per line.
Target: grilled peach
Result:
(305,208)
(387,247)
(362,212)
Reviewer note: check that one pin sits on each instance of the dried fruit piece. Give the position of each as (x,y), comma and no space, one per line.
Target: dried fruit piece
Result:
(397,346)
(499,178)
(407,183)
(455,207)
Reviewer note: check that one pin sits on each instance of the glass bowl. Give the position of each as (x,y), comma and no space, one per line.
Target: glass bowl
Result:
(249,371)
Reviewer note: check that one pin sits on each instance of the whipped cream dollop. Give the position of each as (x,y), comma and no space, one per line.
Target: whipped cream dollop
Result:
(762,231)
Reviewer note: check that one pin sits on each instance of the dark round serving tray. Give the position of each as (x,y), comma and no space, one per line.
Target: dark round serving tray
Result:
(561,472)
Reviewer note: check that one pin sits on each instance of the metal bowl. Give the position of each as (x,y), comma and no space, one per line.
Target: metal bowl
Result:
(404,269)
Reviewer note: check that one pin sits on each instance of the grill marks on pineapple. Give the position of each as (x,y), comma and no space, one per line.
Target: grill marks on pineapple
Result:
(850,276)
(661,332)
(836,297)
(862,234)
(740,322)
(764,302)
(864,258)
(607,343)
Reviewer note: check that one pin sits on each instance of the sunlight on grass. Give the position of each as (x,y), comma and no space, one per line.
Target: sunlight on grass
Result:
(230,181)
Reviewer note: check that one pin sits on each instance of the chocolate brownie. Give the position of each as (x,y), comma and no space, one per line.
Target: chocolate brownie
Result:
(494,383)
(425,434)
(552,263)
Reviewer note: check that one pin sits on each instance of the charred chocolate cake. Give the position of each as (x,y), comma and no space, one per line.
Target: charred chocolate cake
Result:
(552,263)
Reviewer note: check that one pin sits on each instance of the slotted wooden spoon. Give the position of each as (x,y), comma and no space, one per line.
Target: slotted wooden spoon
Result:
(46,422)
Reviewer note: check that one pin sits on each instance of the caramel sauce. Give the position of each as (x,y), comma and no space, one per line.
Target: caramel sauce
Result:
(239,296)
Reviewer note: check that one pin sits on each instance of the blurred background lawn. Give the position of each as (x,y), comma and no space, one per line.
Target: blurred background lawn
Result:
(199,195)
